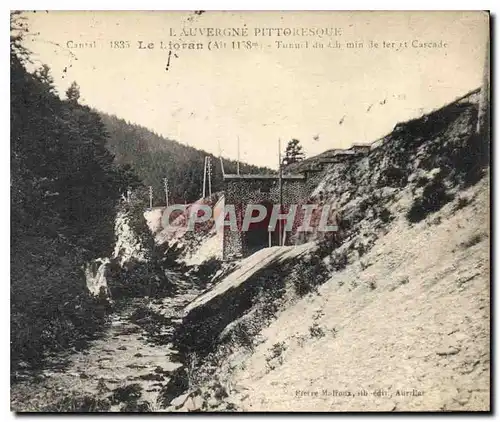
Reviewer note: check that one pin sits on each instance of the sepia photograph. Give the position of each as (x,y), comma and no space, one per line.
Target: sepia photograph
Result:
(250,211)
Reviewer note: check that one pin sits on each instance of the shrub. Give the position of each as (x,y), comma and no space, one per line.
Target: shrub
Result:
(434,197)
(276,356)
(462,203)
(404,280)
(361,248)
(385,215)
(207,269)
(242,336)
(470,161)
(394,177)
(309,275)
(473,240)
(330,242)
(422,181)
(344,224)
(316,331)
(340,260)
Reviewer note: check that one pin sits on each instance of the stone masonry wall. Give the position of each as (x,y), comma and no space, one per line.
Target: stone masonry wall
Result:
(242,191)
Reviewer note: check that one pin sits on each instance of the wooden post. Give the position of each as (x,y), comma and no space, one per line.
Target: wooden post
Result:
(151,197)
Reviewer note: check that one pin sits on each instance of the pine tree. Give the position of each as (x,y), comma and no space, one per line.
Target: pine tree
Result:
(44,76)
(293,152)
(73,93)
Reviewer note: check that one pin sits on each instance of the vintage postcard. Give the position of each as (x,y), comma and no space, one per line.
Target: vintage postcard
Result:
(220,211)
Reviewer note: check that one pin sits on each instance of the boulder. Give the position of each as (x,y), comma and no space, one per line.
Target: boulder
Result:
(179,400)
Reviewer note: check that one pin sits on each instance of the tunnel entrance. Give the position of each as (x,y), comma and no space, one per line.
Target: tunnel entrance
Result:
(263,189)
(257,237)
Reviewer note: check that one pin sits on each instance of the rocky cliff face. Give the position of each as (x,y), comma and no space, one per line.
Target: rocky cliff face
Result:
(128,247)
(396,302)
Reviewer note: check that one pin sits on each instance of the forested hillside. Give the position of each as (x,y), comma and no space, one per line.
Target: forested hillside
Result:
(154,157)
(65,187)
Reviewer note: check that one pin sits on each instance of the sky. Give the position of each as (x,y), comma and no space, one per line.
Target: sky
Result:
(325,97)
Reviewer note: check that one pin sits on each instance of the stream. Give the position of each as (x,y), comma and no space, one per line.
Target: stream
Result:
(128,365)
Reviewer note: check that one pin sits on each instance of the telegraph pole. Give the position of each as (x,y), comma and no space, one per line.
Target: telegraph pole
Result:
(280,178)
(484,95)
(222,167)
(238,162)
(209,168)
(220,158)
(165,184)
(151,197)
(204,177)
